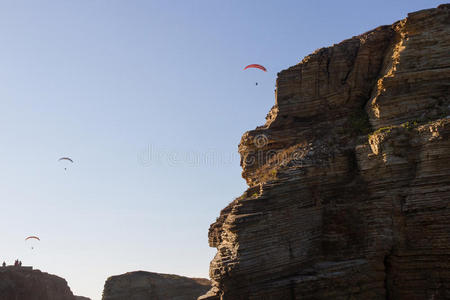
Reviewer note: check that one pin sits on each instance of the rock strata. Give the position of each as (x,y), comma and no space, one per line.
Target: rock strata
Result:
(24,283)
(142,285)
(349,179)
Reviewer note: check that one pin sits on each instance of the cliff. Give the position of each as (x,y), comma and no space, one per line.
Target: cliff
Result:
(349,179)
(142,285)
(24,283)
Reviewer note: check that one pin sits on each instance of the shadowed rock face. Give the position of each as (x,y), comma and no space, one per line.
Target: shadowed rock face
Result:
(145,285)
(24,283)
(349,179)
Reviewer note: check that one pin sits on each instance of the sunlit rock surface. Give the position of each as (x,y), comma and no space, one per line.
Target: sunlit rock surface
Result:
(349,179)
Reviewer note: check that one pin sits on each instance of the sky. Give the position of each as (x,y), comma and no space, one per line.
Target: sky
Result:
(149,98)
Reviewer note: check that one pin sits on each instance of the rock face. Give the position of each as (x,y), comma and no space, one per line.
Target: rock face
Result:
(142,285)
(24,283)
(349,179)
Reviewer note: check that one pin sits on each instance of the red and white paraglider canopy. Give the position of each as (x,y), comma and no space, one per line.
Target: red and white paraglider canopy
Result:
(256,66)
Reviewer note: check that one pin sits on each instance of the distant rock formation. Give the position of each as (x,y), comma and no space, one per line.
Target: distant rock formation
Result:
(24,283)
(142,285)
(349,179)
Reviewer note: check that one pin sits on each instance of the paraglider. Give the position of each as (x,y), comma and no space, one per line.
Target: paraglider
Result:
(67,159)
(256,66)
(32,238)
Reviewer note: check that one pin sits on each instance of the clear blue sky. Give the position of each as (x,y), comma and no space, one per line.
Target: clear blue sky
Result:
(150,100)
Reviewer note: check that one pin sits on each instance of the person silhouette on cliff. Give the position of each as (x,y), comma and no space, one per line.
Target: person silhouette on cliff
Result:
(3,264)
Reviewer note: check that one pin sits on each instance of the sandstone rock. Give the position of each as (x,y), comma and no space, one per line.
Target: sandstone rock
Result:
(349,179)
(146,285)
(24,283)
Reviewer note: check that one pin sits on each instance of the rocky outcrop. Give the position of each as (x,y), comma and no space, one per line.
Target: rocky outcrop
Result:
(142,285)
(24,283)
(349,179)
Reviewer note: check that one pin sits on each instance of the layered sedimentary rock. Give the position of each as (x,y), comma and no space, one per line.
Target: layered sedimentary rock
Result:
(24,283)
(349,179)
(142,285)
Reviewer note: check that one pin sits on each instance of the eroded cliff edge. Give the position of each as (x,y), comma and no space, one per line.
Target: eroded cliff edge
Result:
(349,179)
